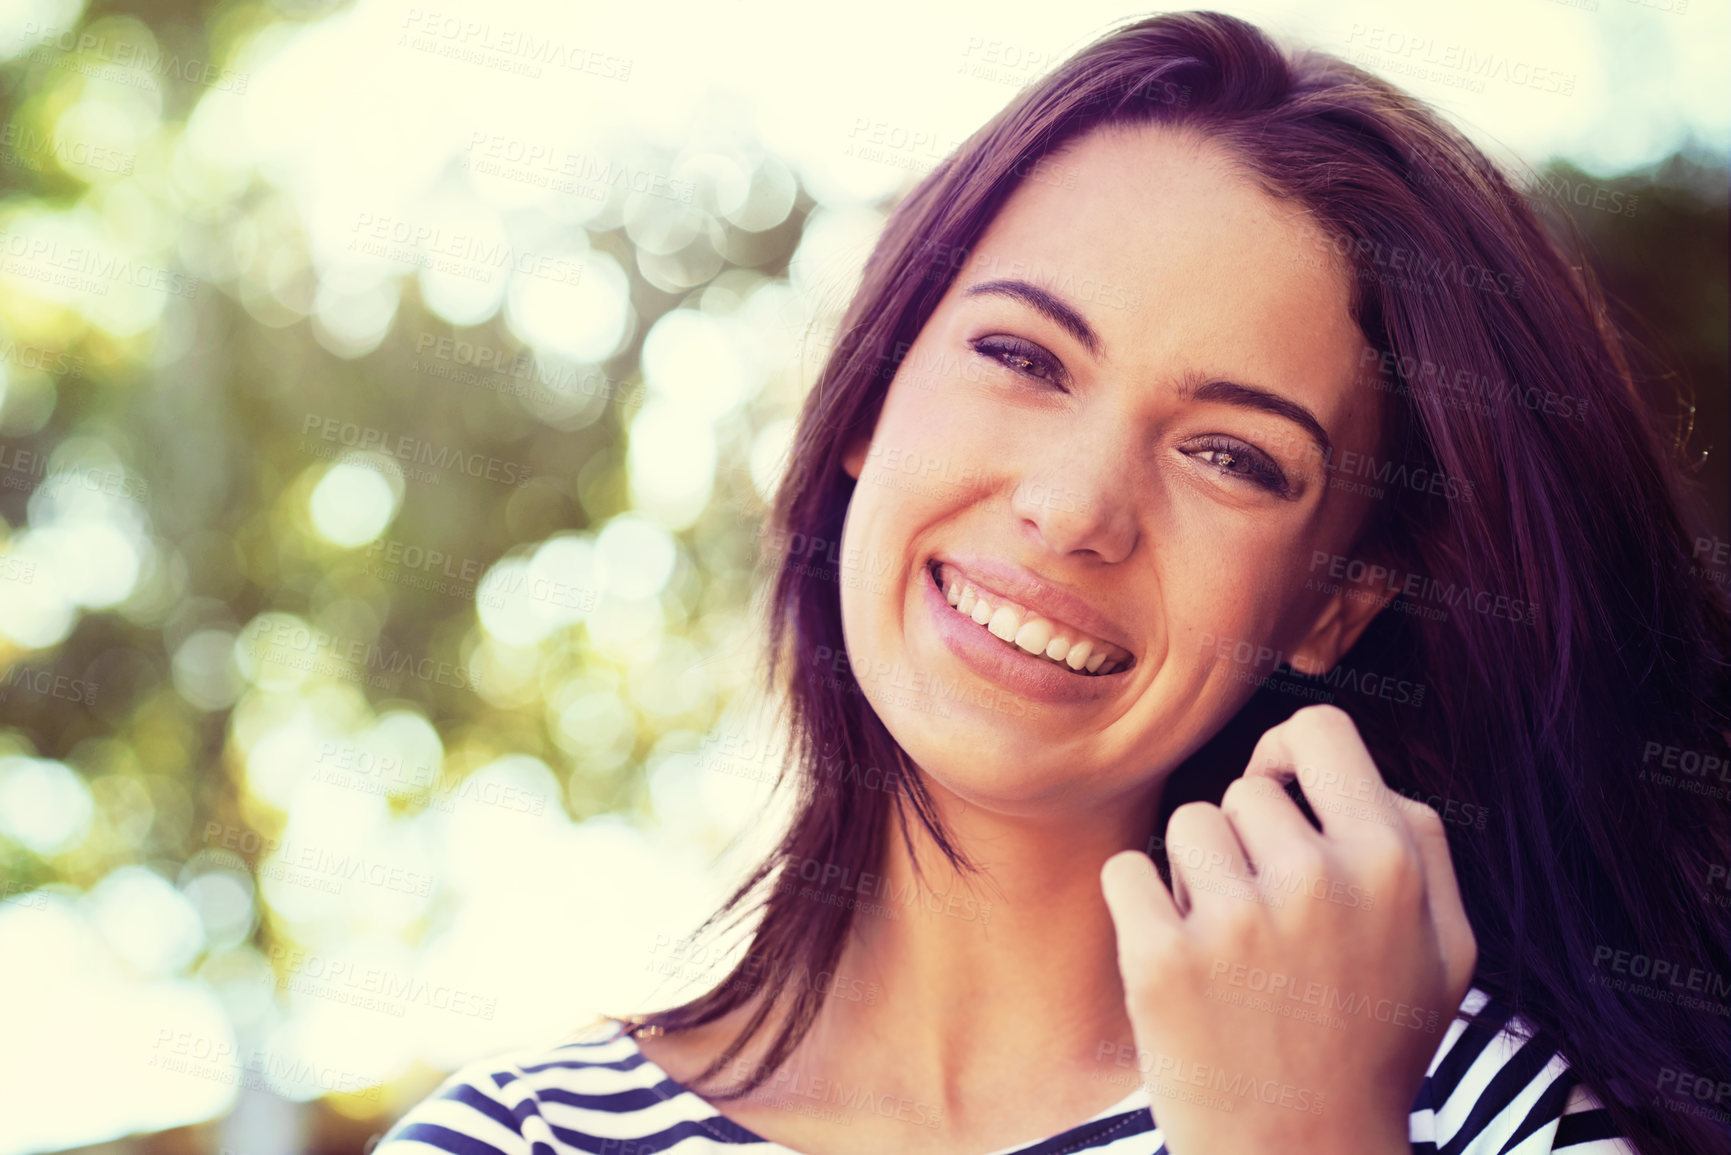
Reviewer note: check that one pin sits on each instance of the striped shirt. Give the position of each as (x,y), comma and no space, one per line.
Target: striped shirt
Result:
(1488,1091)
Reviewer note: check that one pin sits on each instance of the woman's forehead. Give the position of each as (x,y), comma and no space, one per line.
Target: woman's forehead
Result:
(1171,252)
(1148,199)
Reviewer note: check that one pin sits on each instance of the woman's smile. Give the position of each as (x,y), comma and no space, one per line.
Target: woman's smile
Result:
(1009,662)
(1031,615)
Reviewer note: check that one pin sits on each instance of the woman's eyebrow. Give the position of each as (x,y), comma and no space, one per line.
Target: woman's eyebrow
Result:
(1251,397)
(1052,307)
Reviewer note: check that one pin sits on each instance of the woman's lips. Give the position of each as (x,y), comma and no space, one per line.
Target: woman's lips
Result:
(1036,678)
(1027,629)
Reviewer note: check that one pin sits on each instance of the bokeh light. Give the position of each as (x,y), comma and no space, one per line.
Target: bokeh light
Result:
(385,438)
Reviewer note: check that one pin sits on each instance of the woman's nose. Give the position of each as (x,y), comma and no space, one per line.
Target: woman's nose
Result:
(1083,503)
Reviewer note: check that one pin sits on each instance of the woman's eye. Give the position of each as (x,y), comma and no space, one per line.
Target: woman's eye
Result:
(1236,459)
(1021,357)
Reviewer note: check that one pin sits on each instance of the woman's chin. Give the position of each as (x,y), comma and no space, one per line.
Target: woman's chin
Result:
(996,774)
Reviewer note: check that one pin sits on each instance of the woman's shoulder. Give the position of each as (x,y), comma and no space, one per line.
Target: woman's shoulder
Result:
(596,1086)
(1493,1087)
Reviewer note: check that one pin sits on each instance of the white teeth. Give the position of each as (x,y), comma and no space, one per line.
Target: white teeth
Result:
(1032,633)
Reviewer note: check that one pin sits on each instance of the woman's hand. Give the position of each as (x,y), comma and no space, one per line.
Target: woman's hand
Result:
(1291,990)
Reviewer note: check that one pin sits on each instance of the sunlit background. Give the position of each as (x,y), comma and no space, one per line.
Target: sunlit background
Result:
(389,394)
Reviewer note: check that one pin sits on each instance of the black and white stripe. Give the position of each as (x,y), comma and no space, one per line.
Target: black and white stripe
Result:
(1489,1091)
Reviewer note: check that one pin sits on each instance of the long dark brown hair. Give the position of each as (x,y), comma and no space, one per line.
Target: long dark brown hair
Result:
(1578,853)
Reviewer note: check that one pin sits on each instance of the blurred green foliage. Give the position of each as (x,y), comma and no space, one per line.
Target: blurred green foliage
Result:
(201,404)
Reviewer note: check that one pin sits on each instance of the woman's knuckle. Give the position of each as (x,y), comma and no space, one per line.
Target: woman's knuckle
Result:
(1423,816)
(1390,865)
(1322,717)
(1306,860)
(1241,790)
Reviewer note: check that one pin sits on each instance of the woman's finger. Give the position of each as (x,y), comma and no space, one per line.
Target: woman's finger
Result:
(1268,822)
(1144,913)
(1207,857)
(1321,748)
(1442,891)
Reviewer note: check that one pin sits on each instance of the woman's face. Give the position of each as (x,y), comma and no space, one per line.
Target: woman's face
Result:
(1111,428)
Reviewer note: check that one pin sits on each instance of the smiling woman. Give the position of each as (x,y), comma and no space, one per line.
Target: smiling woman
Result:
(1140,457)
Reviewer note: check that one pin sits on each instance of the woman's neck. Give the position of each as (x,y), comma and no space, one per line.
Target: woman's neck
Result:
(986,983)
(968,1013)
